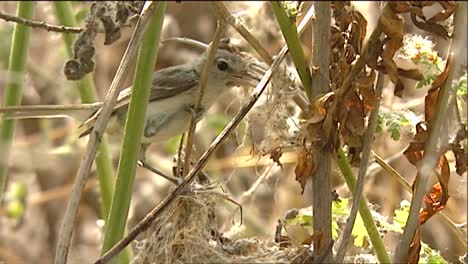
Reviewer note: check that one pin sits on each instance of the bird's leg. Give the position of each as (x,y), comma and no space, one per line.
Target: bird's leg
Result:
(197,113)
(142,162)
(202,176)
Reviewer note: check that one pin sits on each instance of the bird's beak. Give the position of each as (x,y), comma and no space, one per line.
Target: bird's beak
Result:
(251,75)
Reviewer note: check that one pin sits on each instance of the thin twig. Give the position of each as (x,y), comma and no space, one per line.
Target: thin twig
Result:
(191,42)
(31,111)
(247,195)
(431,155)
(180,154)
(366,149)
(390,170)
(98,130)
(203,82)
(41,25)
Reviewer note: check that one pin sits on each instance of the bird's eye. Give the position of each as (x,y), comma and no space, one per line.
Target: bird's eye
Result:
(222,65)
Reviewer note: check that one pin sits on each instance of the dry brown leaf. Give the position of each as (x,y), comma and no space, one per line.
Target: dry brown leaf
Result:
(438,197)
(306,167)
(276,154)
(449,9)
(354,113)
(429,26)
(365,86)
(430,102)
(405,6)
(323,103)
(460,153)
(392,26)
(415,248)
(460,161)
(413,74)
(414,151)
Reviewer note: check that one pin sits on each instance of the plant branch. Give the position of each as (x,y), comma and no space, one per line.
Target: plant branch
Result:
(183,40)
(41,25)
(31,111)
(431,155)
(98,130)
(390,170)
(366,150)
(203,82)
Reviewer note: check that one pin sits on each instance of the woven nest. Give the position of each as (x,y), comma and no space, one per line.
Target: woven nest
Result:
(187,232)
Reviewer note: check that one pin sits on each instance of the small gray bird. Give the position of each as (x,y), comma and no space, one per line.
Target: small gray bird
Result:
(174,93)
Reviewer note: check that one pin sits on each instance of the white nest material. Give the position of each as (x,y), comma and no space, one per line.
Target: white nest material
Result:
(187,233)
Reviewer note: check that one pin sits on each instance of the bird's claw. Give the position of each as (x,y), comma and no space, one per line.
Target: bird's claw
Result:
(197,112)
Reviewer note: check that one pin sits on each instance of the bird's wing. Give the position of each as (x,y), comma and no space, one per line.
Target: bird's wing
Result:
(166,83)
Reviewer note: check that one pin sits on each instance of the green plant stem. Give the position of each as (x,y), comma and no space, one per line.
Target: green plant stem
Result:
(14,86)
(289,30)
(364,210)
(134,125)
(104,165)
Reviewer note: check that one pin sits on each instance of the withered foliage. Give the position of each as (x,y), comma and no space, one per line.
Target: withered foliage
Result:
(339,117)
(108,17)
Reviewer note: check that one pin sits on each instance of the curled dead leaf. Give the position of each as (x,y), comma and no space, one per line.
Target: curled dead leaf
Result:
(405,6)
(365,86)
(429,26)
(276,154)
(306,167)
(415,248)
(437,199)
(392,25)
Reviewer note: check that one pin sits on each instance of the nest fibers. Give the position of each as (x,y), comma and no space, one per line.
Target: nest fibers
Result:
(187,232)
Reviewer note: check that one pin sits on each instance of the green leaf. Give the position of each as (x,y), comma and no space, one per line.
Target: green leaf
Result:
(290,8)
(17,191)
(429,255)
(461,85)
(335,229)
(359,232)
(426,81)
(394,121)
(15,209)
(339,208)
(401,214)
